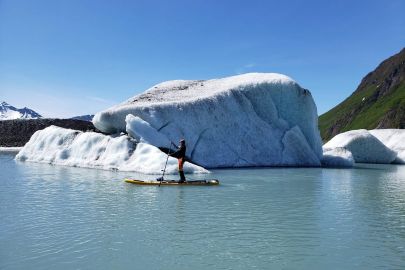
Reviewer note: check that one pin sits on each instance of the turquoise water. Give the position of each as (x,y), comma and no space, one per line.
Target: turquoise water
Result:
(55,217)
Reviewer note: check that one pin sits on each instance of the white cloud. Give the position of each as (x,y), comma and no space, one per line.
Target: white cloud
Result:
(250,65)
(245,68)
(101,100)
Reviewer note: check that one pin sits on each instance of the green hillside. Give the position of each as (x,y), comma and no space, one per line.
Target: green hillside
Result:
(378,102)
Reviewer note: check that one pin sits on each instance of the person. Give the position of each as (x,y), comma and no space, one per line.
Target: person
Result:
(180,154)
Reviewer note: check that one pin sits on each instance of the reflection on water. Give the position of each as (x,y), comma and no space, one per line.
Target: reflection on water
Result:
(54,217)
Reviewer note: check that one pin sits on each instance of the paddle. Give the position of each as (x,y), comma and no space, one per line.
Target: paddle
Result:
(164,170)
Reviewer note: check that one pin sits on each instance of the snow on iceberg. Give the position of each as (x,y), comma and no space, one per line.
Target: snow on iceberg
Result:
(69,147)
(393,139)
(364,147)
(255,119)
(337,157)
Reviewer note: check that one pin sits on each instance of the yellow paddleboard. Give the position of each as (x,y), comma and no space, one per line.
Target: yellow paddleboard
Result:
(209,182)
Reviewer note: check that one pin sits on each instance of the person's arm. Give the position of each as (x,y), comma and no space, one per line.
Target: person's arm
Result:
(175,154)
(177,147)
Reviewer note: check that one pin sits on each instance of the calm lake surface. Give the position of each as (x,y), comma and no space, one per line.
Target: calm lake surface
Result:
(54,217)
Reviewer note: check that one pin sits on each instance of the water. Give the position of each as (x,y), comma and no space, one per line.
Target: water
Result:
(310,218)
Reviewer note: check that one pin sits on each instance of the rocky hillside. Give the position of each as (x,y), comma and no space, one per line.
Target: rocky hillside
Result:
(18,132)
(378,102)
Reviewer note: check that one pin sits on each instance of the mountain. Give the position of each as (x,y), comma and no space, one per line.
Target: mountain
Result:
(8,112)
(87,117)
(378,102)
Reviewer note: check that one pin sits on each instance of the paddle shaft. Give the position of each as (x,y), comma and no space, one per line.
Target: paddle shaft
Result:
(164,170)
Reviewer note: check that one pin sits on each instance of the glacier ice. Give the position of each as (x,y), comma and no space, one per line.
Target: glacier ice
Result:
(10,149)
(393,139)
(60,146)
(255,119)
(143,131)
(364,147)
(337,157)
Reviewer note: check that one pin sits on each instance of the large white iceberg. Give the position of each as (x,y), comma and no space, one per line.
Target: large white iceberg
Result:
(393,139)
(60,146)
(256,119)
(364,147)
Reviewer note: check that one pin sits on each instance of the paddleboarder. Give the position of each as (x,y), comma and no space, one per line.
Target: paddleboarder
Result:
(180,154)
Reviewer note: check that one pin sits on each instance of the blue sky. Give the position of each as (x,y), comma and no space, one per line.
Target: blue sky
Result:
(70,57)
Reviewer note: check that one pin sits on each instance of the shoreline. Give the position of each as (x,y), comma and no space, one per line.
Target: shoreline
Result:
(10,149)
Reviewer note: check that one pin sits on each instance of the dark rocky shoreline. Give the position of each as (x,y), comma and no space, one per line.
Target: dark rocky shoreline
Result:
(17,132)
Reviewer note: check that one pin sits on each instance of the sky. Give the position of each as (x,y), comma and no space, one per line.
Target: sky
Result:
(64,58)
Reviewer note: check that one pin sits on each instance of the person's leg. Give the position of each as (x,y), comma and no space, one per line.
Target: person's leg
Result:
(182,177)
(181,172)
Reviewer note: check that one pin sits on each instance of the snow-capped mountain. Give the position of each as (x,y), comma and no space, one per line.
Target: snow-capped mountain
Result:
(8,112)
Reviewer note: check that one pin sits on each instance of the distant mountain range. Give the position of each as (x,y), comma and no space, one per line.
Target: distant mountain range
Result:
(87,117)
(8,112)
(378,102)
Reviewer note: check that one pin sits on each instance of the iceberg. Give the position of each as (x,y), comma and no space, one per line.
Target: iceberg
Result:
(254,119)
(394,139)
(60,146)
(337,157)
(364,147)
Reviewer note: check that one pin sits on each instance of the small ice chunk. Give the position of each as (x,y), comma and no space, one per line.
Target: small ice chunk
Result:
(364,147)
(337,157)
(141,130)
(393,139)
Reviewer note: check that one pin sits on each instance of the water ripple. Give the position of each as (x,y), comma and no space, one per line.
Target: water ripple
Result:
(66,218)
